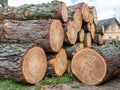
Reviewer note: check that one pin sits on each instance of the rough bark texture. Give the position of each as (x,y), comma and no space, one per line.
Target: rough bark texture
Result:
(70,32)
(24,63)
(96,65)
(84,9)
(57,65)
(93,11)
(48,34)
(98,39)
(100,30)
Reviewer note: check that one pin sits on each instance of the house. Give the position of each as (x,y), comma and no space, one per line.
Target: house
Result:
(111,28)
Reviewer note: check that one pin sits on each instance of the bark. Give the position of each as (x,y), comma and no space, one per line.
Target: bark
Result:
(70,32)
(98,39)
(57,65)
(84,9)
(24,63)
(100,30)
(48,34)
(96,65)
(93,11)
(87,40)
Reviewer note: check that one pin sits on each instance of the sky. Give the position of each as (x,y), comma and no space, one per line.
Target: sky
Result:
(105,8)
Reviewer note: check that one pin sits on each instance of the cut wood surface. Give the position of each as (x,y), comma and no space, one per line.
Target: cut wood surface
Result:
(84,9)
(25,63)
(48,34)
(96,65)
(57,65)
(87,40)
(93,11)
(75,14)
(53,9)
(81,35)
(70,32)
(91,18)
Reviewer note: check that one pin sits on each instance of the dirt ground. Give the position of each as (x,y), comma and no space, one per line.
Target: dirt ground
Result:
(113,84)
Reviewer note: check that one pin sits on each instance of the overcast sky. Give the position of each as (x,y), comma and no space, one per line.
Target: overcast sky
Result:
(105,8)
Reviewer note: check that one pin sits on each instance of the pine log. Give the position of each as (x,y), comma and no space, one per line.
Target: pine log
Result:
(91,19)
(87,40)
(75,14)
(100,30)
(84,9)
(96,65)
(48,34)
(24,63)
(57,65)
(54,10)
(81,35)
(93,11)
(70,32)
(98,39)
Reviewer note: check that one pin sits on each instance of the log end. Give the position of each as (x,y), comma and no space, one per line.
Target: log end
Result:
(77,17)
(64,12)
(72,32)
(60,64)
(89,66)
(81,35)
(34,65)
(56,35)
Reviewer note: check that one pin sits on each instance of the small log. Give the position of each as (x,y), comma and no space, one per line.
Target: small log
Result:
(57,65)
(91,18)
(100,30)
(24,63)
(98,39)
(96,65)
(87,40)
(84,9)
(70,32)
(75,14)
(81,35)
(48,34)
(93,11)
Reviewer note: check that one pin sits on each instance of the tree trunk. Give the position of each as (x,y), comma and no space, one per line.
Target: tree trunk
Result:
(87,40)
(98,39)
(81,35)
(93,11)
(96,65)
(100,30)
(25,63)
(76,16)
(57,65)
(48,34)
(84,9)
(70,32)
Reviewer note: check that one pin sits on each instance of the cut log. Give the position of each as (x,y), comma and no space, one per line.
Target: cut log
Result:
(70,32)
(24,63)
(48,34)
(91,19)
(96,65)
(75,14)
(57,66)
(98,39)
(81,35)
(69,66)
(93,11)
(84,9)
(100,30)
(87,40)
(54,10)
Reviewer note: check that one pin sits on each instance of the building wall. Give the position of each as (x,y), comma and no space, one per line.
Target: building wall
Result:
(113,31)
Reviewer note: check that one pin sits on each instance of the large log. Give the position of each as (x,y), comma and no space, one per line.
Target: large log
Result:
(57,65)
(96,65)
(93,11)
(75,14)
(24,63)
(70,32)
(54,10)
(84,9)
(48,34)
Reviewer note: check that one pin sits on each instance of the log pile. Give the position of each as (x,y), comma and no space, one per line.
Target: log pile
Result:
(40,40)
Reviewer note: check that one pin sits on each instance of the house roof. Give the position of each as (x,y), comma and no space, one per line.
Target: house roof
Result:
(107,22)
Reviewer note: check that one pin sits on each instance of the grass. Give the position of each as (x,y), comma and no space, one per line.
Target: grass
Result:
(13,85)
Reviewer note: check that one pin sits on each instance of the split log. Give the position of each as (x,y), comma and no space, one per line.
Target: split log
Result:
(84,9)
(24,63)
(96,65)
(57,65)
(81,35)
(48,34)
(87,40)
(93,11)
(70,32)
(100,30)
(98,39)
(75,14)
